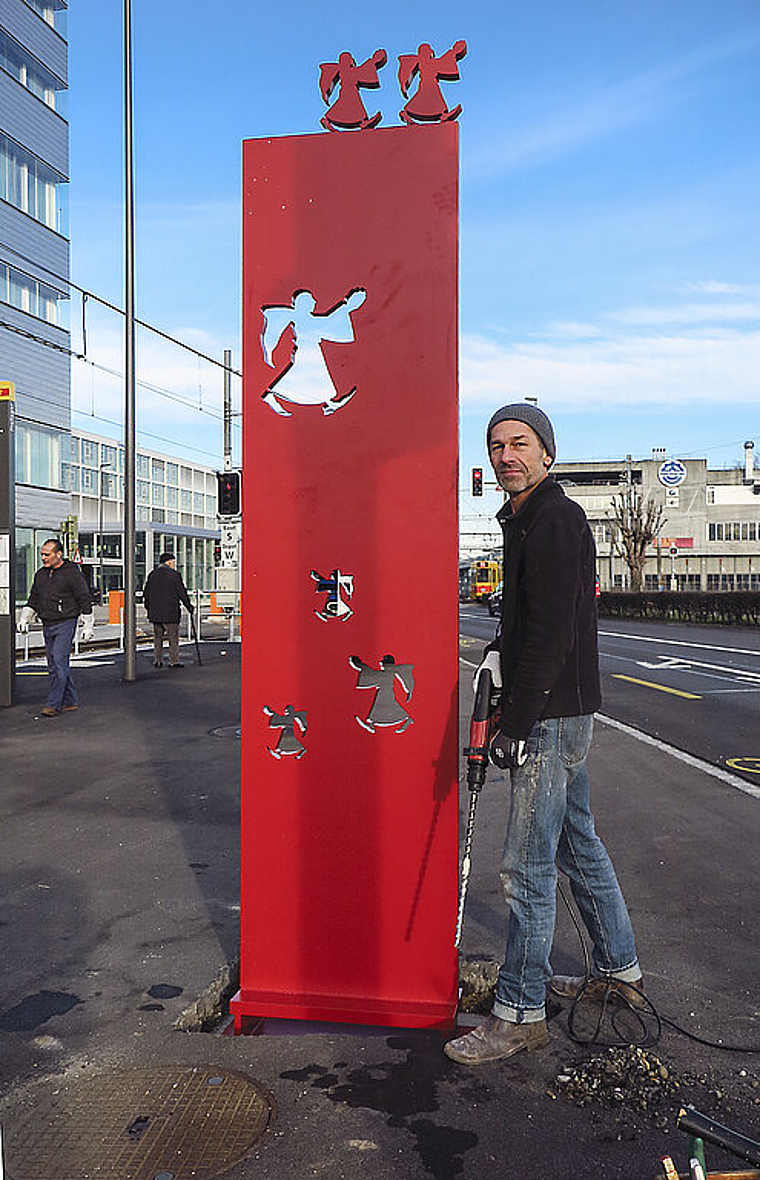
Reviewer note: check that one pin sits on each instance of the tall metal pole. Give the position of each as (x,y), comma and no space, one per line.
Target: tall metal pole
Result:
(227,409)
(130,606)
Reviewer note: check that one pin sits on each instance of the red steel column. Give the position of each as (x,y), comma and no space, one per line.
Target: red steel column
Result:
(349,797)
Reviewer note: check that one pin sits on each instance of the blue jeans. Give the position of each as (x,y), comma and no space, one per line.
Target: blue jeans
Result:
(58,640)
(550,826)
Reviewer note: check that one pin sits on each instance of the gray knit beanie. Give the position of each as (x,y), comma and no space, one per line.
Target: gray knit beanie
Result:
(531,416)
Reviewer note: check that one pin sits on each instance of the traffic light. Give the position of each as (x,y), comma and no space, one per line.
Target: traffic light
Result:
(228,493)
(477,481)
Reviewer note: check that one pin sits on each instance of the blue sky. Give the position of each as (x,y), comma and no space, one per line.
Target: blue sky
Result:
(610,226)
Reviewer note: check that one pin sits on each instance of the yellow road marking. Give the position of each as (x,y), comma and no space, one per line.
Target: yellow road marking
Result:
(742,764)
(691,696)
(32,673)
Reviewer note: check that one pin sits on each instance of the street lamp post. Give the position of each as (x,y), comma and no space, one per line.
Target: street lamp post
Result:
(101,468)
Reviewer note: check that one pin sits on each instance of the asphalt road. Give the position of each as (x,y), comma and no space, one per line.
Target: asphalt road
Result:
(695,688)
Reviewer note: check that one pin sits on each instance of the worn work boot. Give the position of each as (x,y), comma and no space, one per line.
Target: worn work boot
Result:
(494,1039)
(569,987)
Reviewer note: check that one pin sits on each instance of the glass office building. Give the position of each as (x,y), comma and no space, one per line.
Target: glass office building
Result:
(34,253)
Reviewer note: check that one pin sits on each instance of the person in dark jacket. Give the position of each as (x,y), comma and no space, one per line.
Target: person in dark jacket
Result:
(163,592)
(58,597)
(544,660)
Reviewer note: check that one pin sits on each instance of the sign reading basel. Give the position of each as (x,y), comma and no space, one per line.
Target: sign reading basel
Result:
(350,655)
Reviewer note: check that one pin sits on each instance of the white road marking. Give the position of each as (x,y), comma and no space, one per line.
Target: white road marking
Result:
(739,651)
(690,760)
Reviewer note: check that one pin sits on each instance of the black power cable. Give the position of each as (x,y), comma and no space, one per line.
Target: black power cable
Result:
(635,1008)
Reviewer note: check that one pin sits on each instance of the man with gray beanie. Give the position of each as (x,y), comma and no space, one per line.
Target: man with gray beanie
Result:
(544,660)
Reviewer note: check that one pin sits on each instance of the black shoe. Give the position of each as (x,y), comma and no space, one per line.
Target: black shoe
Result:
(176,665)
(158,663)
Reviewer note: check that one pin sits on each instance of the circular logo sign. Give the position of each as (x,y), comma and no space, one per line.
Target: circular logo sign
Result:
(671,473)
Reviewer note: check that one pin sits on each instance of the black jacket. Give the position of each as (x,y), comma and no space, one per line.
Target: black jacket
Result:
(547,636)
(162,594)
(59,594)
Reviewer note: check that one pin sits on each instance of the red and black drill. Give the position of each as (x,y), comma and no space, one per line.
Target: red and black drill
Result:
(483,727)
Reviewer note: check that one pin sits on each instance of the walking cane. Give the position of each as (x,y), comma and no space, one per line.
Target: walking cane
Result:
(195,637)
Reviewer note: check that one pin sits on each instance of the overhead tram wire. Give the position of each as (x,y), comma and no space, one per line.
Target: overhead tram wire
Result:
(113,307)
(79,356)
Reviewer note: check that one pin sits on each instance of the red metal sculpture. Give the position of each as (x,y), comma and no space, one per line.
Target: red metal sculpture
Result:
(347,113)
(427,104)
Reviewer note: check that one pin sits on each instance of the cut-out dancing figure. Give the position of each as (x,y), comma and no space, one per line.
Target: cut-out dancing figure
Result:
(386,710)
(305,379)
(287,721)
(428,105)
(347,113)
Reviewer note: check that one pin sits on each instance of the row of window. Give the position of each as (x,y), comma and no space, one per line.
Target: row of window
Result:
(694,582)
(30,72)
(33,187)
(92,454)
(28,294)
(53,12)
(734,530)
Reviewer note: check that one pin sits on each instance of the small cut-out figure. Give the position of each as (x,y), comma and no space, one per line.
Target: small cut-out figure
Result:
(287,721)
(386,711)
(336,585)
(428,105)
(347,113)
(305,379)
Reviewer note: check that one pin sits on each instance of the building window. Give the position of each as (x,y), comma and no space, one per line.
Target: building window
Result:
(51,11)
(89,481)
(108,455)
(172,473)
(41,454)
(186,500)
(71,481)
(110,486)
(172,517)
(31,73)
(158,514)
(157,470)
(28,295)
(142,466)
(172,497)
(158,493)
(89,453)
(198,502)
(30,185)
(143,491)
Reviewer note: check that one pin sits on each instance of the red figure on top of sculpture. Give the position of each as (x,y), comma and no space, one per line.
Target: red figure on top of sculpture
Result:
(426,105)
(347,113)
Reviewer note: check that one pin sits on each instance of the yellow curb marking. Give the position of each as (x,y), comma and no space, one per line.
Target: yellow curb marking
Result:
(691,696)
(748,765)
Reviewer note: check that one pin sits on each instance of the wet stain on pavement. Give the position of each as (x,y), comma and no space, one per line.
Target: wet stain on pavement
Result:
(37,1009)
(164,991)
(401,1090)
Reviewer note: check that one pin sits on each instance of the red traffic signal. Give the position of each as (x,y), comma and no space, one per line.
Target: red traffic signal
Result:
(477,481)
(228,493)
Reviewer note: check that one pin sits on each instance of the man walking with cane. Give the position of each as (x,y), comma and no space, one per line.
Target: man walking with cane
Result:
(164,591)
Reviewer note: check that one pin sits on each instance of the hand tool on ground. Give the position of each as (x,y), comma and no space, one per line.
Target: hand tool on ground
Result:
(195,637)
(693,1121)
(484,724)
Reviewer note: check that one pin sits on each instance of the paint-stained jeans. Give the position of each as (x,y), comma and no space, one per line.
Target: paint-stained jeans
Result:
(550,826)
(58,640)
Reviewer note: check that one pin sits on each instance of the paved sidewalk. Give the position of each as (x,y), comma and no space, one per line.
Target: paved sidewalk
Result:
(119,907)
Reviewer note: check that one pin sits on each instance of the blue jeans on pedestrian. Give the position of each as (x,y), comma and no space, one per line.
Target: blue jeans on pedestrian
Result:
(58,640)
(550,826)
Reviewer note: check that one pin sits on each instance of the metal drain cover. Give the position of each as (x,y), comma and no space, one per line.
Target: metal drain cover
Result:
(160,1124)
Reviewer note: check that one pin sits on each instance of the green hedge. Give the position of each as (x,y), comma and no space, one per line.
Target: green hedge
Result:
(740,608)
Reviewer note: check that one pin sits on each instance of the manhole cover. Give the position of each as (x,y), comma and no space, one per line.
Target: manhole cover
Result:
(161,1124)
(228,731)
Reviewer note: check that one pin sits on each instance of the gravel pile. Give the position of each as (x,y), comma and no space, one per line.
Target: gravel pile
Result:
(631,1078)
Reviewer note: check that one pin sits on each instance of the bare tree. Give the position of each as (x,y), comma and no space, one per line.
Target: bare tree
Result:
(635,523)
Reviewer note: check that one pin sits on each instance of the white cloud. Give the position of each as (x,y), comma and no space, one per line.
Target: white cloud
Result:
(708,368)
(713,287)
(687,313)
